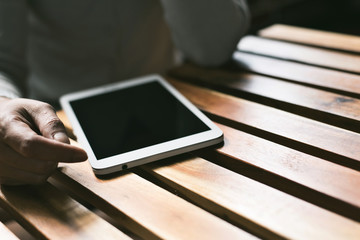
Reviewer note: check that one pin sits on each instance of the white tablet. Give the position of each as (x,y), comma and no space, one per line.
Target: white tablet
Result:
(138,121)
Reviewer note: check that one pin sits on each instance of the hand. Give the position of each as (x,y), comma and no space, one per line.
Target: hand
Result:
(32,142)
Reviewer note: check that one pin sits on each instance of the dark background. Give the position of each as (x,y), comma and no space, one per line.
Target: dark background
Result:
(330,15)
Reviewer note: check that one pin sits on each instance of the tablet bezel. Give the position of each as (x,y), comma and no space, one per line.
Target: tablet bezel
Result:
(147,154)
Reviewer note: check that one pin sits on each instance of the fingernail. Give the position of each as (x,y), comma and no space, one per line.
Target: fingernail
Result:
(61,137)
(80,156)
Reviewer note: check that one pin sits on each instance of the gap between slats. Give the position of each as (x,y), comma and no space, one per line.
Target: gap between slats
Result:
(293,172)
(48,213)
(248,224)
(306,135)
(325,79)
(333,109)
(238,198)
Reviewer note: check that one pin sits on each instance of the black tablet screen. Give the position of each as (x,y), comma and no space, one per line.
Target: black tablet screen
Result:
(133,118)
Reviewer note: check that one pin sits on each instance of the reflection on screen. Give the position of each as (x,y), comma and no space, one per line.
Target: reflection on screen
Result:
(133,118)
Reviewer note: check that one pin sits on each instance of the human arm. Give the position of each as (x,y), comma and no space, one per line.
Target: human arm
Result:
(206,31)
(32,142)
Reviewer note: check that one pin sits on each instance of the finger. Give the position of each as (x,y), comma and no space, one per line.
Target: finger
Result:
(14,176)
(27,143)
(48,123)
(11,158)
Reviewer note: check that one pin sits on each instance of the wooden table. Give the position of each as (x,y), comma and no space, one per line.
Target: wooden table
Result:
(289,106)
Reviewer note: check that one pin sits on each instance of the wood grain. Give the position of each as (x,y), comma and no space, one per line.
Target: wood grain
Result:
(144,208)
(67,124)
(294,52)
(330,80)
(6,234)
(251,203)
(318,139)
(312,37)
(294,172)
(331,108)
(48,213)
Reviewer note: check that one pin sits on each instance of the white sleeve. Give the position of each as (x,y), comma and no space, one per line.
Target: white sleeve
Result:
(13,35)
(8,88)
(206,31)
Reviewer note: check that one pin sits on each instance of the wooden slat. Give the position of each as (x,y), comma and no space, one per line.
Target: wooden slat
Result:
(332,143)
(262,159)
(6,234)
(337,81)
(252,203)
(50,214)
(312,37)
(67,124)
(335,109)
(144,208)
(294,52)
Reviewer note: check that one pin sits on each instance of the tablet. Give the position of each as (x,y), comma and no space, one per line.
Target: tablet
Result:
(134,122)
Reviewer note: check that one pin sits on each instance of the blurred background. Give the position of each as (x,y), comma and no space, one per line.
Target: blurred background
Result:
(330,15)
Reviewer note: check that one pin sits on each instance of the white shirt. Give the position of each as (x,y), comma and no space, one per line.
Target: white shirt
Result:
(51,47)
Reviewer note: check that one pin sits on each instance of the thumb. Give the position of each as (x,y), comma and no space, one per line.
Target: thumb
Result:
(49,125)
